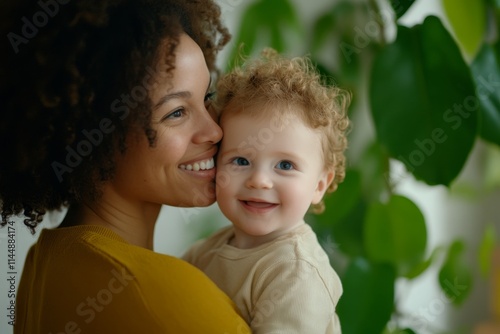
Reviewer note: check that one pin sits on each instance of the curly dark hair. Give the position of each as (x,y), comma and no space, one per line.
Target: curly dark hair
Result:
(73,86)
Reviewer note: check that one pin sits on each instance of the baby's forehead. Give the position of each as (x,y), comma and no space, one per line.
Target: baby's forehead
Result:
(277,113)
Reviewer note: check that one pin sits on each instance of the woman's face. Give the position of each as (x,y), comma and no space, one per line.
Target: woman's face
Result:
(179,169)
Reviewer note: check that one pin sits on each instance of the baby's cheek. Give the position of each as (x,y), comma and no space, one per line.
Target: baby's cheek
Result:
(297,199)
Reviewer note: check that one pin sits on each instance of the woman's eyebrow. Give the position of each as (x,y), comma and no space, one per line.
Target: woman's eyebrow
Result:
(209,84)
(174,95)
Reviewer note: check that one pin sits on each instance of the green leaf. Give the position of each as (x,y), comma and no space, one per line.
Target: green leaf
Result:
(496,46)
(348,232)
(374,167)
(468,20)
(338,40)
(332,78)
(491,169)
(277,42)
(368,299)
(423,102)
(423,266)
(455,278)
(323,27)
(267,24)
(280,19)
(395,233)
(408,331)
(251,25)
(400,331)
(288,18)
(343,200)
(486,73)
(494,3)
(354,46)
(333,23)
(401,6)
(486,249)
(344,215)
(327,76)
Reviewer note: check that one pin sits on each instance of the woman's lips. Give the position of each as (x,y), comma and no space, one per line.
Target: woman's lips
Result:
(206,164)
(203,169)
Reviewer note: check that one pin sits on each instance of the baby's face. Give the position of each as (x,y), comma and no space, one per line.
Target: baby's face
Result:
(268,174)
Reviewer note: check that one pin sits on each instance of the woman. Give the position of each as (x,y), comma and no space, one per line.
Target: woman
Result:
(104,110)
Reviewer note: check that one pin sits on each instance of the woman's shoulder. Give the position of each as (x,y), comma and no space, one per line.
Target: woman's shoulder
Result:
(157,286)
(97,246)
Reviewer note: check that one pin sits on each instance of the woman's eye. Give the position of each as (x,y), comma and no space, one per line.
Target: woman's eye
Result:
(209,96)
(175,114)
(208,99)
(285,165)
(241,161)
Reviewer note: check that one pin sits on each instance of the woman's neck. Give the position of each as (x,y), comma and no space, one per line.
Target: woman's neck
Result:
(134,222)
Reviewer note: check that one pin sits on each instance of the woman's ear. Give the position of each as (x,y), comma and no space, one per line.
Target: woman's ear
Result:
(323,183)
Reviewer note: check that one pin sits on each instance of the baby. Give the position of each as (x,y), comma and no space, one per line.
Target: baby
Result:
(283,148)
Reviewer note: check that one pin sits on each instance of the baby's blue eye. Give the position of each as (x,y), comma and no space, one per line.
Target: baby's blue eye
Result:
(241,161)
(285,165)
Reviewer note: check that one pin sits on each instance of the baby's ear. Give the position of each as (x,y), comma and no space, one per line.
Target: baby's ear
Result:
(323,183)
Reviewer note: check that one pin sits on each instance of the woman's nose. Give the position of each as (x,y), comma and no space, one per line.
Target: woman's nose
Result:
(209,130)
(258,179)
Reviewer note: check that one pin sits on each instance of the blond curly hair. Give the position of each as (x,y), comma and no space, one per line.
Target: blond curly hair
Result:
(274,80)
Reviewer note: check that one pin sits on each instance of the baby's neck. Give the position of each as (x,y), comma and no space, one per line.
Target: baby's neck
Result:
(243,240)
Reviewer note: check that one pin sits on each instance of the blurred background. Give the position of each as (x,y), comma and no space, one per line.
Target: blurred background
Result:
(413,230)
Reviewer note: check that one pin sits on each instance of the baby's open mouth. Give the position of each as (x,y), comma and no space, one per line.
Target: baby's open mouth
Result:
(260,205)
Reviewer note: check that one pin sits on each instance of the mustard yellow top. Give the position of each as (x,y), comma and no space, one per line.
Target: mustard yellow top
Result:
(87,279)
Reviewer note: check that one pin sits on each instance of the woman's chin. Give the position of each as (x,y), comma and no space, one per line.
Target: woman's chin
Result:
(198,197)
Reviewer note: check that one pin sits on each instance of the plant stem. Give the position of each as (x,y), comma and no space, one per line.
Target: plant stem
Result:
(378,18)
(388,181)
(492,34)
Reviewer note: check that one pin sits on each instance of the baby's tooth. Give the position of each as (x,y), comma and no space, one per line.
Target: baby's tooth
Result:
(196,167)
(203,165)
